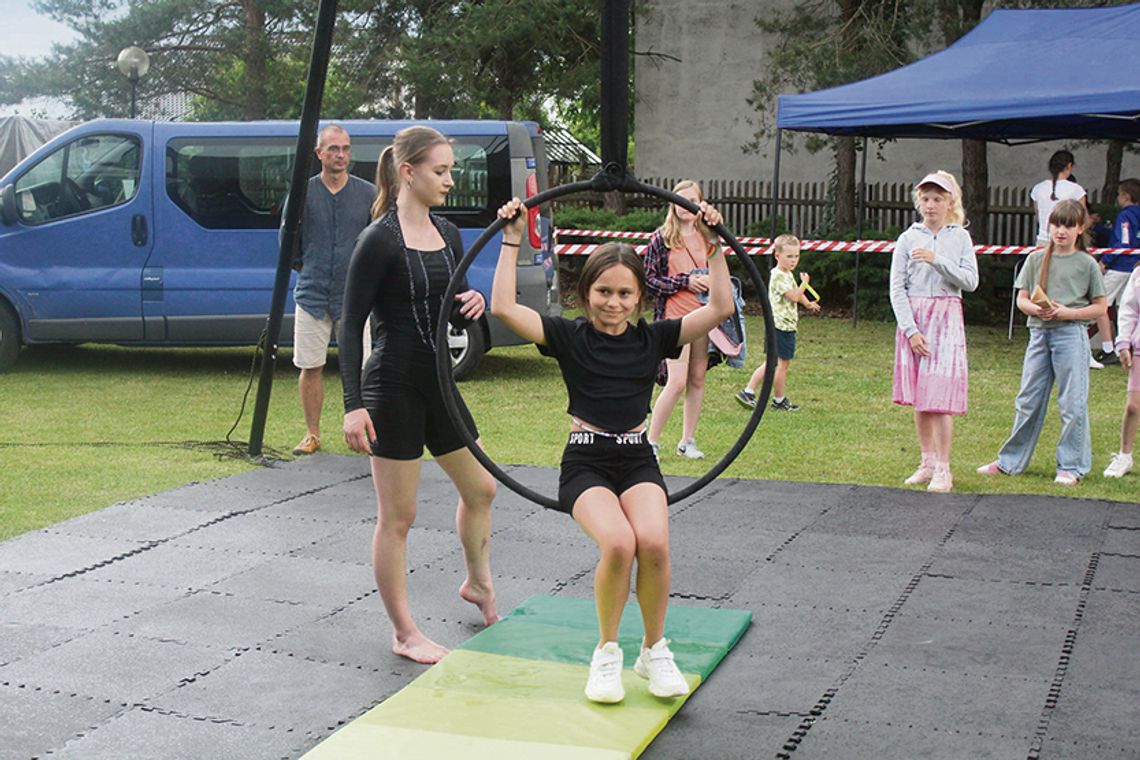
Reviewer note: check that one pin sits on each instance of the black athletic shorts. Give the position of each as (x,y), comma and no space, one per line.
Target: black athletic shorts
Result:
(616,464)
(403,399)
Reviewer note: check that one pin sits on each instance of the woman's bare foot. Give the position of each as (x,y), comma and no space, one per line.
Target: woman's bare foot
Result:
(419,648)
(483,598)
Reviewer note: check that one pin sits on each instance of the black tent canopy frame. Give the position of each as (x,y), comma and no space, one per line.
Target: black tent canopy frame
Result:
(614,176)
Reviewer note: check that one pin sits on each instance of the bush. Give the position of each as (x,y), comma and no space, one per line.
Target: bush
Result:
(583,218)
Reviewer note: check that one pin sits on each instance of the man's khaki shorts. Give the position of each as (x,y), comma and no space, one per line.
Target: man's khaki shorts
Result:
(311,338)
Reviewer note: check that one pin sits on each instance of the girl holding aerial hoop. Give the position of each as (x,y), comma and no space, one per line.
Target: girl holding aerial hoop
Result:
(610,482)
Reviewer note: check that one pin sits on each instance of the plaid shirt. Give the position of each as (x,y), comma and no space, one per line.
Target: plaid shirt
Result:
(660,283)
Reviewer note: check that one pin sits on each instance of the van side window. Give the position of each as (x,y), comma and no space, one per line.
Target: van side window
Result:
(88,174)
(482,176)
(230,183)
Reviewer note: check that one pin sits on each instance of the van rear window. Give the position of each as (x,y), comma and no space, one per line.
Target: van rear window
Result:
(241,183)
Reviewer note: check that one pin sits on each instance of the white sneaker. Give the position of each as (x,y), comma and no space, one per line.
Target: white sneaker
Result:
(665,679)
(688,448)
(1066,478)
(941,481)
(1094,364)
(1120,466)
(923,474)
(604,684)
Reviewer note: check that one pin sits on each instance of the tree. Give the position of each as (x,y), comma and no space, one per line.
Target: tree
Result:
(500,58)
(825,43)
(223,52)
(247,59)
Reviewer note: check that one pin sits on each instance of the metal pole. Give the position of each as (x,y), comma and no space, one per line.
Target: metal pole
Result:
(859,232)
(614,112)
(134,90)
(306,139)
(776,184)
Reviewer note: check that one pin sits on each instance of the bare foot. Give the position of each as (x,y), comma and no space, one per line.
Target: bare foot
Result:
(483,598)
(419,648)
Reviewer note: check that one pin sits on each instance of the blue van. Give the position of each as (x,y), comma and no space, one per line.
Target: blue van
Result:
(165,233)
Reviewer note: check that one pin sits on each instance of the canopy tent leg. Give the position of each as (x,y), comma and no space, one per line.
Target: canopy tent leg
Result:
(775,186)
(859,232)
(1013,296)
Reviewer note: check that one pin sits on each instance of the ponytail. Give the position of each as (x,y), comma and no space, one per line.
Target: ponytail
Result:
(1058,162)
(387,183)
(410,146)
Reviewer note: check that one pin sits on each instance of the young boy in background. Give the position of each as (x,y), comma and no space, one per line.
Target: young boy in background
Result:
(1117,267)
(785,297)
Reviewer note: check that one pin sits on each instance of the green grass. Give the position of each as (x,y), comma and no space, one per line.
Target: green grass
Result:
(58,401)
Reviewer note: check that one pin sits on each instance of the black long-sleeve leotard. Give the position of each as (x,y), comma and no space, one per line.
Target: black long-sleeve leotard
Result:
(403,290)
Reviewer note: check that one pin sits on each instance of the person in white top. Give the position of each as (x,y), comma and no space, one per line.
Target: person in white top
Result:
(1049,192)
(1045,195)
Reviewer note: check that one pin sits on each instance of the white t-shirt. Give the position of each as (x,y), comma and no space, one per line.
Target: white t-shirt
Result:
(1041,193)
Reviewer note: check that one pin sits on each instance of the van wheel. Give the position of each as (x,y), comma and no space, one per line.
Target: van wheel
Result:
(467,348)
(9,337)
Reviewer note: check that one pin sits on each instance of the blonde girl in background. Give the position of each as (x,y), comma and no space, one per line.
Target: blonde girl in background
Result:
(933,263)
(676,270)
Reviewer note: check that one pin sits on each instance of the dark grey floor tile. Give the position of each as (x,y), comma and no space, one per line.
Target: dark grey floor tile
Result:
(177,567)
(44,552)
(303,580)
(82,603)
(143,733)
(133,521)
(278,692)
(122,668)
(37,720)
(895,740)
(221,621)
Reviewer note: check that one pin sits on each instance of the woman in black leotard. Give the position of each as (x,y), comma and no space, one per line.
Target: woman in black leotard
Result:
(399,273)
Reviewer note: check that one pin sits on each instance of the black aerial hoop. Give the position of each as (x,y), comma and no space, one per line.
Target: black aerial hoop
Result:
(613,177)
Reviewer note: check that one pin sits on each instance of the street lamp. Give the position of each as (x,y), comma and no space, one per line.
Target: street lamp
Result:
(133,63)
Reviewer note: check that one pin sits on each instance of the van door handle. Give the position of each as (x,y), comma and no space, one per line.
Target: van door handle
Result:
(138,229)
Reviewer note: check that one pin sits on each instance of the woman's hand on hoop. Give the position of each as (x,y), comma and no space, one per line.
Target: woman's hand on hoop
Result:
(709,213)
(918,344)
(359,433)
(516,227)
(472,304)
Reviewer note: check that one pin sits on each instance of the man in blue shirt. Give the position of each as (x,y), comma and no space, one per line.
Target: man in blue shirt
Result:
(1117,267)
(337,207)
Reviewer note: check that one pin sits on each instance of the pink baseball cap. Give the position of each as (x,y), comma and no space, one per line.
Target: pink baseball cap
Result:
(938,181)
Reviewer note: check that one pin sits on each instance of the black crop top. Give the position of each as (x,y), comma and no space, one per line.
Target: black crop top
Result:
(403,290)
(609,378)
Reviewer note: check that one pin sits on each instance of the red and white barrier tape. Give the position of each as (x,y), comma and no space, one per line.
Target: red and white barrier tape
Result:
(756,246)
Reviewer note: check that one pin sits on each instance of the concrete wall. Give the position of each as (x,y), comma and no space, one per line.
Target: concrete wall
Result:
(692,115)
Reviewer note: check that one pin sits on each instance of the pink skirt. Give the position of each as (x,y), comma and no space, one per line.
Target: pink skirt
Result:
(938,383)
(1134,376)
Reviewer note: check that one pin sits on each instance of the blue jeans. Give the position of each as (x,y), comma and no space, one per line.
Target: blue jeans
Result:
(1062,354)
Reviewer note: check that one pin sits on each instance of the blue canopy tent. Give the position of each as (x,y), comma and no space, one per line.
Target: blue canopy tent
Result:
(1019,76)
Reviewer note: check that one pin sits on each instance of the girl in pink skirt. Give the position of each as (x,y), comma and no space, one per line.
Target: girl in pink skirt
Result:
(1127,342)
(933,263)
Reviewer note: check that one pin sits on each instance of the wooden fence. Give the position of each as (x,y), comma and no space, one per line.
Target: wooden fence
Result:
(807,207)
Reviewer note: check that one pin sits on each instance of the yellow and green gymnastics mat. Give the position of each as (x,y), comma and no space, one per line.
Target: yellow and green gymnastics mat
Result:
(515,690)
